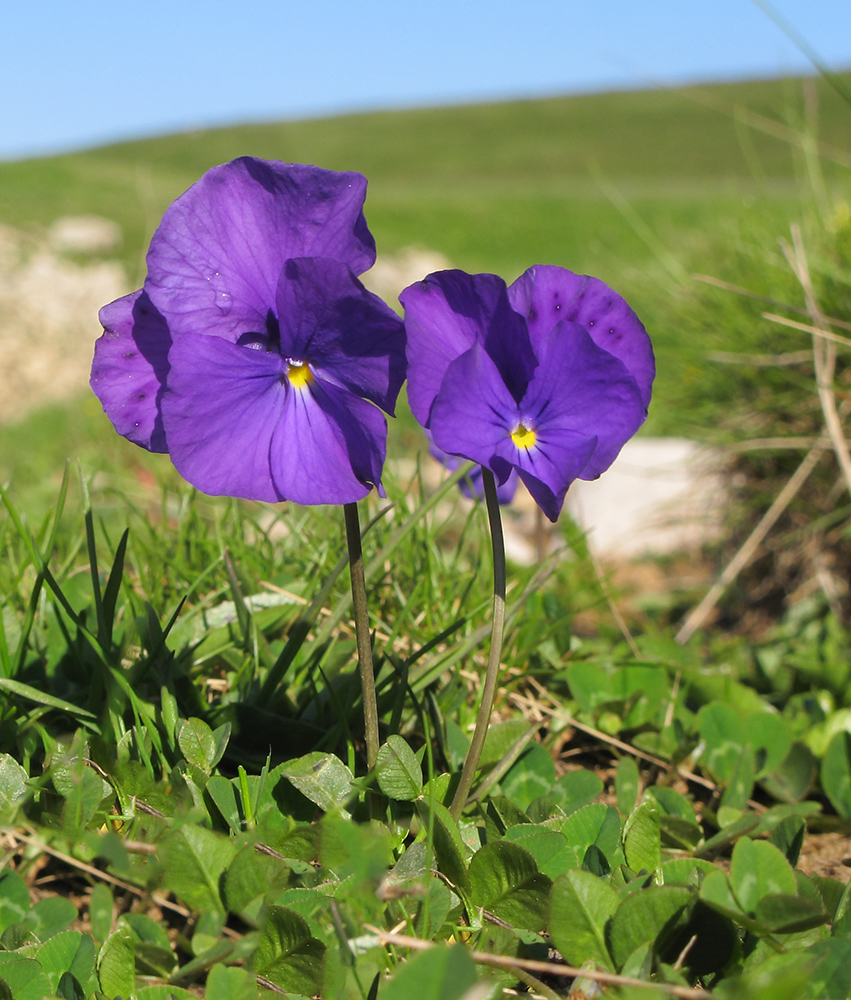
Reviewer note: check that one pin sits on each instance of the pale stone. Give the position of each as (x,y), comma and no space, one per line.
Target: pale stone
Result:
(48,322)
(84,234)
(661,496)
(392,273)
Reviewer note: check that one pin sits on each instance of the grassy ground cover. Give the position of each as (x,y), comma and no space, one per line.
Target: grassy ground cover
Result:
(182,782)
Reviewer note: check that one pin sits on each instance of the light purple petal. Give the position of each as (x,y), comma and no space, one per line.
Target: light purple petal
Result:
(546,294)
(474,412)
(347,334)
(237,427)
(580,389)
(220,411)
(329,447)
(130,368)
(444,316)
(214,262)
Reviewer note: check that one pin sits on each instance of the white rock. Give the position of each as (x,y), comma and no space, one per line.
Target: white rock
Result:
(661,496)
(48,322)
(84,234)
(392,273)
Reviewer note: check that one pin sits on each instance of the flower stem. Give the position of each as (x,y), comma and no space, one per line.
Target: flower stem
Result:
(474,754)
(367,674)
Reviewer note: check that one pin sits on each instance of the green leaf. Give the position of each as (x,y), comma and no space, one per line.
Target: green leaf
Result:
(50,915)
(685,871)
(441,973)
(842,916)
(641,839)
(593,824)
(683,834)
(729,834)
(25,979)
(504,879)
(722,730)
(13,786)
(580,907)
(5,991)
(758,869)
(785,914)
(644,689)
(69,987)
(626,784)
(251,875)
(166,993)
(792,779)
(193,860)
(671,803)
(715,891)
(287,954)
(549,848)
(741,782)
(831,978)
(101,911)
(501,738)
(836,773)
(71,952)
(42,698)
(221,738)
(576,789)
(14,899)
(116,965)
(224,983)
(83,793)
(398,771)
(323,778)
(447,844)
(226,795)
(643,916)
(770,737)
(788,837)
(197,744)
(531,776)
(589,685)
(146,930)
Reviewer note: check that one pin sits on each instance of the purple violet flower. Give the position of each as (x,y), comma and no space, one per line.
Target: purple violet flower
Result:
(253,355)
(550,377)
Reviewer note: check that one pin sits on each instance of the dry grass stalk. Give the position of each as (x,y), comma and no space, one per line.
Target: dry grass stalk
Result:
(698,615)
(824,360)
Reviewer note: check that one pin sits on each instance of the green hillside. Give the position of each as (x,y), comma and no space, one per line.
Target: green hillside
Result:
(639,188)
(491,186)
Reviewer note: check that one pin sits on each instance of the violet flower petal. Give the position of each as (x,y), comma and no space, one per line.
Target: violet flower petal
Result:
(546,294)
(578,388)
(130,368)
(474,412)
(329,447)
(347,334)
(215,260)
(444,316)
(237,427)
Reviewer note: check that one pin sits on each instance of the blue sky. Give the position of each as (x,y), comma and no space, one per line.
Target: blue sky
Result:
(83,73)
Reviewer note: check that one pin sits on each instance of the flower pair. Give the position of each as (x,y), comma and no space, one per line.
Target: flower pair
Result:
(258,361)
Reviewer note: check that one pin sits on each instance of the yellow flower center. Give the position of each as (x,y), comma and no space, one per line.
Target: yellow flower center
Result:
(523,437)
(299,374)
